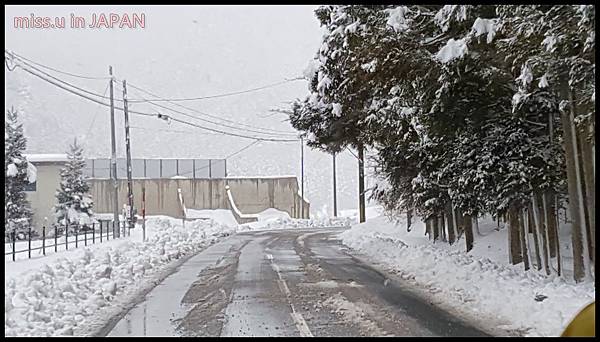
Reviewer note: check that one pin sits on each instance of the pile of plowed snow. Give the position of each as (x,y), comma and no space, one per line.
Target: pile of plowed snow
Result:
(480,284)
(77,293)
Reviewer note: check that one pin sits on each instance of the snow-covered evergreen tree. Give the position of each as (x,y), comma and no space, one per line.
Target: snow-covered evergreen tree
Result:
(74,202)
(462,104)
(18,172)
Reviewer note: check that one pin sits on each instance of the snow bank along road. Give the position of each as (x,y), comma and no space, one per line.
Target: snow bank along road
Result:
(297,282)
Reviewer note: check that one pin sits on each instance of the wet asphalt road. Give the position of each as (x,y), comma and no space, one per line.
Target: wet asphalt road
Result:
(283,283)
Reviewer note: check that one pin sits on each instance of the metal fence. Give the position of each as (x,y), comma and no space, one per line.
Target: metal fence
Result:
(158,168)
(97,233)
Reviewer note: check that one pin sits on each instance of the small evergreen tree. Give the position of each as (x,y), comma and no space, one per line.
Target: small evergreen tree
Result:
(74,202)
(17,210)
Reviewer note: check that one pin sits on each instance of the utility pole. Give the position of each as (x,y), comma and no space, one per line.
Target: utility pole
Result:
(143,212)
(302,176)
(334,189)
(361,183)
(128,148)
(113,158)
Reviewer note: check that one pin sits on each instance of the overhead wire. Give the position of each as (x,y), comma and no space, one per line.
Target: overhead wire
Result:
(204,113)
(213,122)
(234,134)
(57,70)
(153,114)
(287,80)
(227,94)
(168,130)
(242,149)
(95,115)
(225,158)
(62,86)
(254,130)
(65,82)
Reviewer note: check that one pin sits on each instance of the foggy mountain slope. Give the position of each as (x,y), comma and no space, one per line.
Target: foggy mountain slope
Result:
(197,51)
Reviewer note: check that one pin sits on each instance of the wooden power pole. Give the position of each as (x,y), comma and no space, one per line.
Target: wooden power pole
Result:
(113,159)
(128,149)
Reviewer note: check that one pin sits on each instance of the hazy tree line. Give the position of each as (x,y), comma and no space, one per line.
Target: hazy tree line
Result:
(471,110)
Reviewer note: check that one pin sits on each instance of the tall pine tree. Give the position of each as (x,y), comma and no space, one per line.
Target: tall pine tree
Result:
(74,202)
(17,210)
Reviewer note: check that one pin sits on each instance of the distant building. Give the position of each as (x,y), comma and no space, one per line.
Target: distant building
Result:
(41,193)
(201,180)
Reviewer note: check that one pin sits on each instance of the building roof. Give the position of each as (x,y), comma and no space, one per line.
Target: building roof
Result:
(56,157)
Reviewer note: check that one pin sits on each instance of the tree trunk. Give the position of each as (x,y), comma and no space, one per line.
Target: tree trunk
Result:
(476,224)
(468,227)
(460,222)
(408,219)
(525,224)
(571,161)
(428,228)
(436,228)
(451,218)
(588,189)
(514,239)
(443,226)
(532,229)
(541,229)
(554,200)
(523,236)
(549,211)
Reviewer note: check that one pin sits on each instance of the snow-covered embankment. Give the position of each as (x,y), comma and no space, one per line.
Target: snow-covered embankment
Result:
(79,291)
(480,285)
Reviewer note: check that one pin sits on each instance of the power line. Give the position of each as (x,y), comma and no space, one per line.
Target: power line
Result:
(232,134)
(203,113)
(242,149)
(76,93)
(56,70)
(266,130)
(95,115)
(151,114)
(225,158)
(64,82)
(271,85)
(228,94)
(213,122)
(169,130)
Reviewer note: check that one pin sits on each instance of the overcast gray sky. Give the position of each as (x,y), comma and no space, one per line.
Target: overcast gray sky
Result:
(184,51)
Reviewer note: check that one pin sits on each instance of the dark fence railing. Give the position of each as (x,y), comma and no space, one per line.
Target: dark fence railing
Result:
(97,233)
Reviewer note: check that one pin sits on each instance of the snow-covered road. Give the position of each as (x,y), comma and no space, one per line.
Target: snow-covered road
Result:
(299,282)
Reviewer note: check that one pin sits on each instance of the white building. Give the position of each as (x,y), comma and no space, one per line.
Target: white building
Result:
(41,193)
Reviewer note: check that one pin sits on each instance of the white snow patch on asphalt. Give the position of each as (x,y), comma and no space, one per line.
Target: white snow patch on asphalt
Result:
(481,282)
(355,313)
(75,292)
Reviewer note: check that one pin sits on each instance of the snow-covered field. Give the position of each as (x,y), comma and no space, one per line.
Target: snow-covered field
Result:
(480,285)
(77,291)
